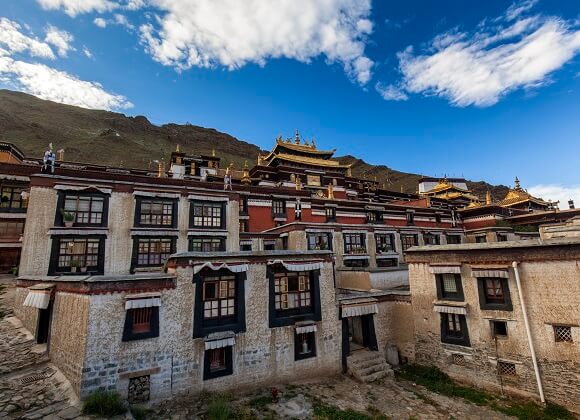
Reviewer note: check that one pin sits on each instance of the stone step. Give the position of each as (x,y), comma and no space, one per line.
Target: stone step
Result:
(368,366)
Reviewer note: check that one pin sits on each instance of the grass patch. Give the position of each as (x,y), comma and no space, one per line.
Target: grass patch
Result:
(104,404)
(435,380)
(260,402)
(327,412)
(532,411)
(219,408)
(140,413)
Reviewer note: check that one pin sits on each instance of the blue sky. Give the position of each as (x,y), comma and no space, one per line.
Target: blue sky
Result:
(485,90)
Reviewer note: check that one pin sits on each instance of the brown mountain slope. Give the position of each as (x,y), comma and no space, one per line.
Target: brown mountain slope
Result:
(110,138)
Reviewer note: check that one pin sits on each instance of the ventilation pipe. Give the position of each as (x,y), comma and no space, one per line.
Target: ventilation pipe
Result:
(528,333)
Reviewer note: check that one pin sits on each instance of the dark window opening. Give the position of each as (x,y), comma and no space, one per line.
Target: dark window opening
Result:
(374,216)
(431,239)
(11,198)
(410,218)
(358,262)
(408,240)
(454,329)
(449,286)
(563,333)
(243,206)
(385,242)
(330,214)
(141,323)
(320,241)
(208,215)
(304,346)
(354,243)
(437,218)
(502,237)
(246,246)
(269,245)
(494,293)
(453,239)
(207,244)
(387,262)
(217,362)
(499,328)
(278,208)
(480,239)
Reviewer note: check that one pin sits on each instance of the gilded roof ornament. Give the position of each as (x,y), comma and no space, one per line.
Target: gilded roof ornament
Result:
(297,137)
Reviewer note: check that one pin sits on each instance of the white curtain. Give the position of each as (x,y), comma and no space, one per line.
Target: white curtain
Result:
(234,268)
(299,266)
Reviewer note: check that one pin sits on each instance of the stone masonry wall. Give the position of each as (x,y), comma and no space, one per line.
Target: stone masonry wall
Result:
(394,325)
(174,360)
(26,314)
(551,292)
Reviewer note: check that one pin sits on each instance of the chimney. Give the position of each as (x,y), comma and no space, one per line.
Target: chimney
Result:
(571,204)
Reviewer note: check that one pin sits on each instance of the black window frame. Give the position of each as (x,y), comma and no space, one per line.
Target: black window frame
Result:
(129,335)
(410,217)
(311,337)
(454,338)
(405,246)
(480,239)
(138,211)
(502,237)
(330,213)
(243,206)
(285,317)
(245,247)
(279,204)
(62,196)
(10,186)
(349,246)
(135,256)
(379,242)
(484,304)
(356,262)
(236,323)
(311,245)
(53,268)
(454,236)
(221,239)
(374,216)
(436,237)
(444,295)
(387,262)
(229,362)
(495,331)
(196,203)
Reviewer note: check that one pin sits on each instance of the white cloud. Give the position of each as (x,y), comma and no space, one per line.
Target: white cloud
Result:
(60,39)
(76,7)
(87,52)
(391,92)
(59,86)
(479,68)
(557,193)
(14,41)
(100,22)
(232,33)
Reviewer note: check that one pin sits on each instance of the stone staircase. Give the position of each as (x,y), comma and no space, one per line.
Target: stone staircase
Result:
(368,366)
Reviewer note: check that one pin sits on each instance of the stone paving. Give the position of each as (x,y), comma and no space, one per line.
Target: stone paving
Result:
(32,388)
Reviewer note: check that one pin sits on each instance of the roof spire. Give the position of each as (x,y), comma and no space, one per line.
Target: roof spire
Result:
(488,197)
(313,143)
(297,137)
(517,184)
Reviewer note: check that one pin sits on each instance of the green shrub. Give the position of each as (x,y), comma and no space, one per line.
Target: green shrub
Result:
(532,411)
(219,409)
(104,404)
(139,413)
(327,412)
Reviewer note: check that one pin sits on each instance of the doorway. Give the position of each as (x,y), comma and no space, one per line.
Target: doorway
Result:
(43,327)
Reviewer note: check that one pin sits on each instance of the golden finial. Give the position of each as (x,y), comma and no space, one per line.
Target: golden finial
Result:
(298,183)
(297,137)
(349,170)
(517,184)
(330,191)
(177,148)
(213,152)
(260,160)
(313,143)
(488,198)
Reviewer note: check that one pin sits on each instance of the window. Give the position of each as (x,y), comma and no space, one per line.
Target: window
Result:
(219,297)
(304,346)
(11,198)
(354,243)
(437,218)
(217,362)
(494,293)
(431,239)
(374,217)
(313,180)
(454,329)
(320,241)
(207,244)
(243,226)
(269,245)
(210,215)
(385,242)
(480,239)
(278,208)
(141,323)
(243,206)
(410,215)
(77,255)
(458,359)
(294,296)
(501,237)
(330,214)
(506,368)
(11,229)
(85,209)
(453,239)
(563,333)
(219,302)
(155,213)
(387,262)
(408,240)
(498,328)
(449,286)
(246,246)
(152,252)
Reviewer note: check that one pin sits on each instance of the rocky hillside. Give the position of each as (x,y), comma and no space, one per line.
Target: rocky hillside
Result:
(110,138)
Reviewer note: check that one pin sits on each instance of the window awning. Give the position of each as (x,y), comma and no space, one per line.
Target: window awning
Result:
(360,309)
(82,188)
(444,309)
(38,298)
(156,194)
(305,327)
(490,273)
(298,265)
(143,303)
(355,257)
(445,269)
(219,340)
(233,267)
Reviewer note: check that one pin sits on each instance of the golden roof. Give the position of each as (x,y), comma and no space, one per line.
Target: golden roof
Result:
(308,148)
(518,195)
(307,160)
(444,185)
